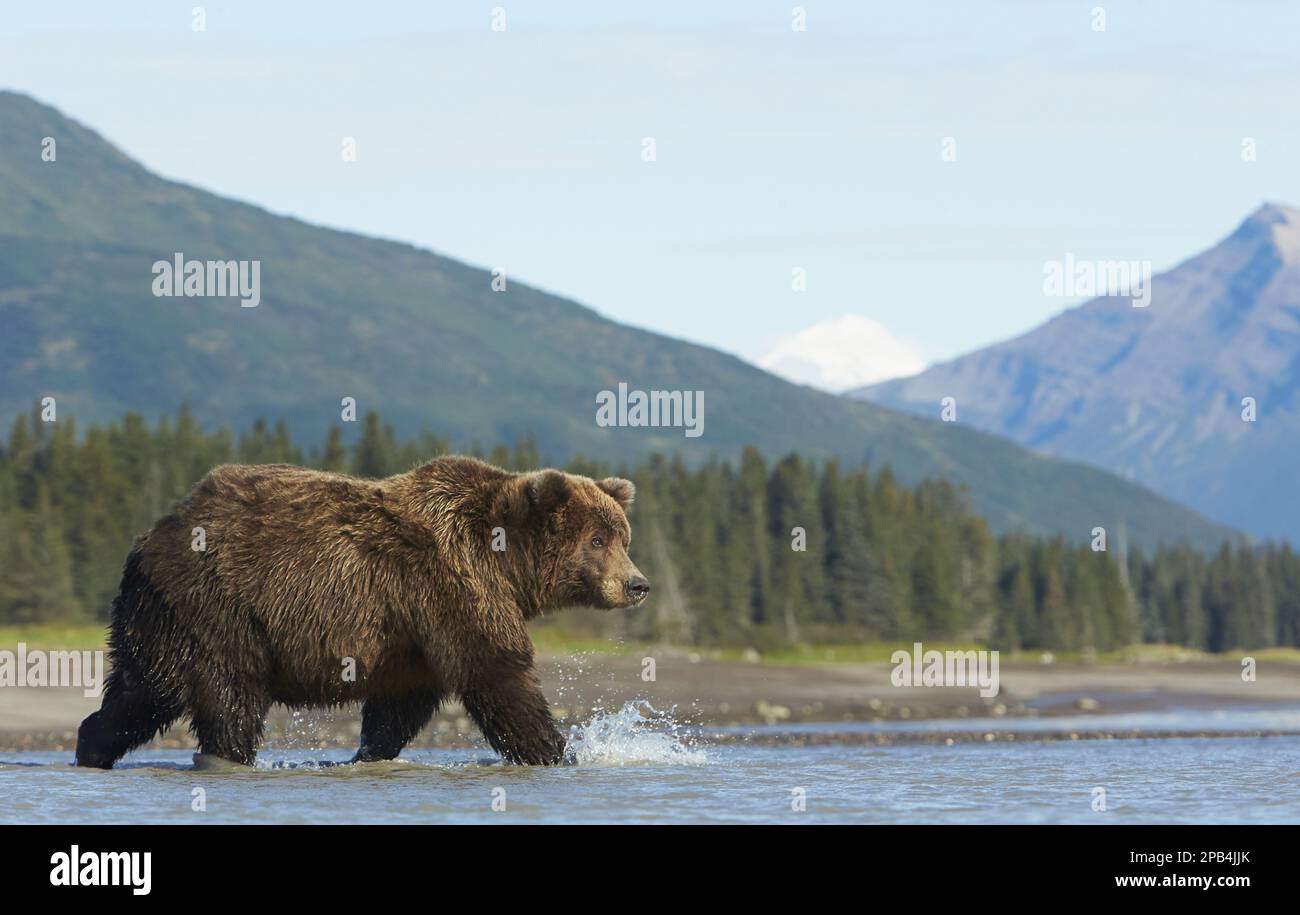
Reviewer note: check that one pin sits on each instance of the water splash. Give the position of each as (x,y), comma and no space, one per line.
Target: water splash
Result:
(635,734)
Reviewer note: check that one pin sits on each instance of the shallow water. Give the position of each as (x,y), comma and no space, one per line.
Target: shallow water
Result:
(627,769)
(1237,718)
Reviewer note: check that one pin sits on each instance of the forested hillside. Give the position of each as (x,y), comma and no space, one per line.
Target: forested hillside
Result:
(879,560)
(431,340)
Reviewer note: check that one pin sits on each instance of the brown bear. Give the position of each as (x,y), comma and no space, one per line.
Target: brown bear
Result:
(273,583)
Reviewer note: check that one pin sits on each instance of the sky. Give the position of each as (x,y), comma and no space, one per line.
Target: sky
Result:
(778,153)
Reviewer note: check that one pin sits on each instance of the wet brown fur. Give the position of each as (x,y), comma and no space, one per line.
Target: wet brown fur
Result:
(304,570)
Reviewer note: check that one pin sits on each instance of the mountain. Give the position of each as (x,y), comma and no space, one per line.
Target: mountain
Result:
(839,353)
(421,338)
(1156,393)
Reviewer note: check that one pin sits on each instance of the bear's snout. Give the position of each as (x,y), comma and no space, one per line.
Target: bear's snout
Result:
(637,588)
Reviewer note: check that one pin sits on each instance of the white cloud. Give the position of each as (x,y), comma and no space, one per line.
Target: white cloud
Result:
(842,353)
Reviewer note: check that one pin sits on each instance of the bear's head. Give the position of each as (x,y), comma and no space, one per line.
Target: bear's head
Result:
(585,537)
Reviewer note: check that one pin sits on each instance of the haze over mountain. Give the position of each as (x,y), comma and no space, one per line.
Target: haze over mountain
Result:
(421,338)
(1157,393)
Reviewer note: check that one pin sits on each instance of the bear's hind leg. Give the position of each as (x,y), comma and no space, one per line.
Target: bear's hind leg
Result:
(515,717)
(389,723)
(233,730)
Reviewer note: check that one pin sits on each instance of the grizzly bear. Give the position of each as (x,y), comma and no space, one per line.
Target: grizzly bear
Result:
(273,583)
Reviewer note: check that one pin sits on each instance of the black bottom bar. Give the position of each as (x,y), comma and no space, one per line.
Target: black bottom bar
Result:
(311,863)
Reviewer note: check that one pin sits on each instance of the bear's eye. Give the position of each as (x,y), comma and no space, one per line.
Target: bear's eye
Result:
(597,542)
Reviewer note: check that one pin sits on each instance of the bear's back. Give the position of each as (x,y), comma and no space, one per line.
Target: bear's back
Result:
(286,546)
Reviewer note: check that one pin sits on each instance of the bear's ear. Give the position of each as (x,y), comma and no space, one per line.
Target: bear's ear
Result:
(620,490)
(546,490)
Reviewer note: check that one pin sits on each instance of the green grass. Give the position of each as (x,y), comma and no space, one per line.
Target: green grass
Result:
(1155,654)
(1285,655)
(554,640)
(55,635)
(855,653)
(557,641)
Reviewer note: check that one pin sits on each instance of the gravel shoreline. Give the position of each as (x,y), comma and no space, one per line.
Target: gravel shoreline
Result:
(702,694)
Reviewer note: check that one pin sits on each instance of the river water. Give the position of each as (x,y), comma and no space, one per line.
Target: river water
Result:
(630,769)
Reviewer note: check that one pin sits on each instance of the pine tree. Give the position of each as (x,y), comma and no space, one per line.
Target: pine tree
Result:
(376,452)
(37,584)
(797,549)
(1055,626)
(334,457)
(848,562)
(751,542)
(935,605)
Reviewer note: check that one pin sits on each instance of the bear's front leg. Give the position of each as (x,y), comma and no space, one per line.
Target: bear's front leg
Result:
(515,717)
